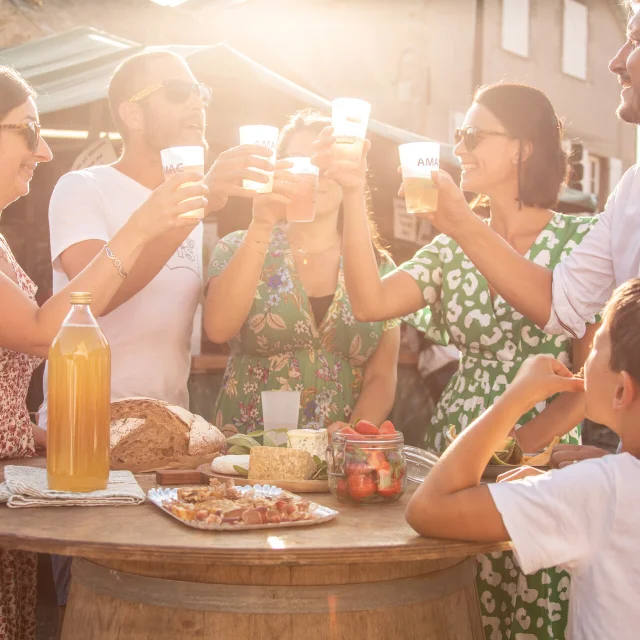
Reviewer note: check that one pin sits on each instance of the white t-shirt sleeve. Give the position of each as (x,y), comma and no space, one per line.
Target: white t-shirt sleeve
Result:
(76,214)
(559,518)
(584,282)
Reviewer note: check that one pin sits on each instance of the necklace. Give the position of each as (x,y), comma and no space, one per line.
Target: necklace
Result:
(306,254)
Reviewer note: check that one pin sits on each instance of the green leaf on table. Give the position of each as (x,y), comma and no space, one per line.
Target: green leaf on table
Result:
(241,471)
(236,450)
(243,440)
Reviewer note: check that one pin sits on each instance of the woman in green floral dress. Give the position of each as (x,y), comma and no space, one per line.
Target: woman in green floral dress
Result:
(510,149)
(277,294)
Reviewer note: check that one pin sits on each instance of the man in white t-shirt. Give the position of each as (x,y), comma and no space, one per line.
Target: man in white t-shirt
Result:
(584,518)
(156,103)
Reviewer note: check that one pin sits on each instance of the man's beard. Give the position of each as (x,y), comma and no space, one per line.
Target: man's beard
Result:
(160,136)
(628,112)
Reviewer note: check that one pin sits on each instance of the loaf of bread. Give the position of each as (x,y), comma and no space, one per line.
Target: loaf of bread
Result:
(147,435)
(278,463)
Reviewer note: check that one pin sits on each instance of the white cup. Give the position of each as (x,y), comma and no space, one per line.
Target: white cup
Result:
(280,410)
(180,159)
(349,119)
(303,201)
(264,136)
(418,160)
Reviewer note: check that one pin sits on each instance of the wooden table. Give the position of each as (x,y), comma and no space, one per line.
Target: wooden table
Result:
(140,575)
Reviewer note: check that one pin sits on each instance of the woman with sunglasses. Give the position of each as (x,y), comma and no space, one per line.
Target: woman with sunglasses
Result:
(26,331)
(510,149)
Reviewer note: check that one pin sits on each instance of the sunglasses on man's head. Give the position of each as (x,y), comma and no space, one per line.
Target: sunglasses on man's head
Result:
(177,91)
(30,131)
(472,136)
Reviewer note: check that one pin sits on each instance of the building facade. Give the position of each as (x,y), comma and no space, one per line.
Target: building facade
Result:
(418,62)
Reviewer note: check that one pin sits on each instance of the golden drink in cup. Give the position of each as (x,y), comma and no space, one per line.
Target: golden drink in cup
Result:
(349,119)
(179,160)
(264,136)
(303,201)
(418,160)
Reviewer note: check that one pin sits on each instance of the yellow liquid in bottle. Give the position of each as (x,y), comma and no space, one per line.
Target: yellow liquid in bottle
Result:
(79,410)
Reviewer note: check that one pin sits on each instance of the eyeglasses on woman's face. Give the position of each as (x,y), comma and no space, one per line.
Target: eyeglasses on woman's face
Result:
(29,130)
(472,136)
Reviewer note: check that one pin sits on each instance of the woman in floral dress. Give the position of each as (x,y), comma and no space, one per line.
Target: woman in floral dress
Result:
(510,149)
(277,294)
(26,331)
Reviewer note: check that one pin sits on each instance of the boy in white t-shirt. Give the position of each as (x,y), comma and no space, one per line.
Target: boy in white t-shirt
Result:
(584,518)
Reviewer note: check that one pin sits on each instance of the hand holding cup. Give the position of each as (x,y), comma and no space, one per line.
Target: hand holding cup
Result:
(167,205)
(232,167)
(348,176)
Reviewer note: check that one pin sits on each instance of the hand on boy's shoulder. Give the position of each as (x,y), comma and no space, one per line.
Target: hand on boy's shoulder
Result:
(565,454)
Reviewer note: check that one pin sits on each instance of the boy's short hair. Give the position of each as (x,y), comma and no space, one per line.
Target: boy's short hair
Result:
(129,78)
(622,317)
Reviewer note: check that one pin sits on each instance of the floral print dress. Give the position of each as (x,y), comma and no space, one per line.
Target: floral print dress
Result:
(17,568)
(280,346)
(494,340)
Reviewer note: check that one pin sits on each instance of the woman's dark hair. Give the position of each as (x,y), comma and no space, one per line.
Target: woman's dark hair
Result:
(14,90)
(315,121)
(527,115)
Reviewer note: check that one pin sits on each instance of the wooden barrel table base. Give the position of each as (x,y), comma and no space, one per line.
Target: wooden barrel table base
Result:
(399,601)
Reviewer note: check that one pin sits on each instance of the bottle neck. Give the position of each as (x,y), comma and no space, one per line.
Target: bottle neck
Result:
(80,315)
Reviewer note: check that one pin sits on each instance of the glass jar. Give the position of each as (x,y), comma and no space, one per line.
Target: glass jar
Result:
(367,469)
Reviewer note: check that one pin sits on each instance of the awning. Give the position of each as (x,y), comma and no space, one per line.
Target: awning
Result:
(73,68)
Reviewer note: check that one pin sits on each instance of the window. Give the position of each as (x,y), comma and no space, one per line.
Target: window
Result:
(594,175)
(574,39)
(515,26)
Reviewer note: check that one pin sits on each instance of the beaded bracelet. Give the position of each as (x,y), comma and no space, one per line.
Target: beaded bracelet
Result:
(116,261)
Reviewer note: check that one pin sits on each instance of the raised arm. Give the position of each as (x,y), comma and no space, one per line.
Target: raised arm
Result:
(230,167)
(525,285)
(27,328)
(451,503)
(372,298)
(232,291)
(560,301)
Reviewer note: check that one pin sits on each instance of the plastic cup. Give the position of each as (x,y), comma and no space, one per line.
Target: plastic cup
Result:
(349,119)
(303,201)
(180,159)
(264,136)
(418,160)
(280,410)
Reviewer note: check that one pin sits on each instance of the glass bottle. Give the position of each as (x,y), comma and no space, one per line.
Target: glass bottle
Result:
(79,402)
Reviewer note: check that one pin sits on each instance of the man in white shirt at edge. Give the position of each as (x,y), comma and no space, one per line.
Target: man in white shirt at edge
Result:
(156,103)
(584,518)
(565,299)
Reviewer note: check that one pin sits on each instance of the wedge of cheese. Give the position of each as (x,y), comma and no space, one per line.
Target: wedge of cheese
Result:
(278,463)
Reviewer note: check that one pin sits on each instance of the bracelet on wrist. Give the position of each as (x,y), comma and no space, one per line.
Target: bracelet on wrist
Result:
(116,261)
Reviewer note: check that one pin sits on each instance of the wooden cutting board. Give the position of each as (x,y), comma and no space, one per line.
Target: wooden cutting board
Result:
(295,486)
